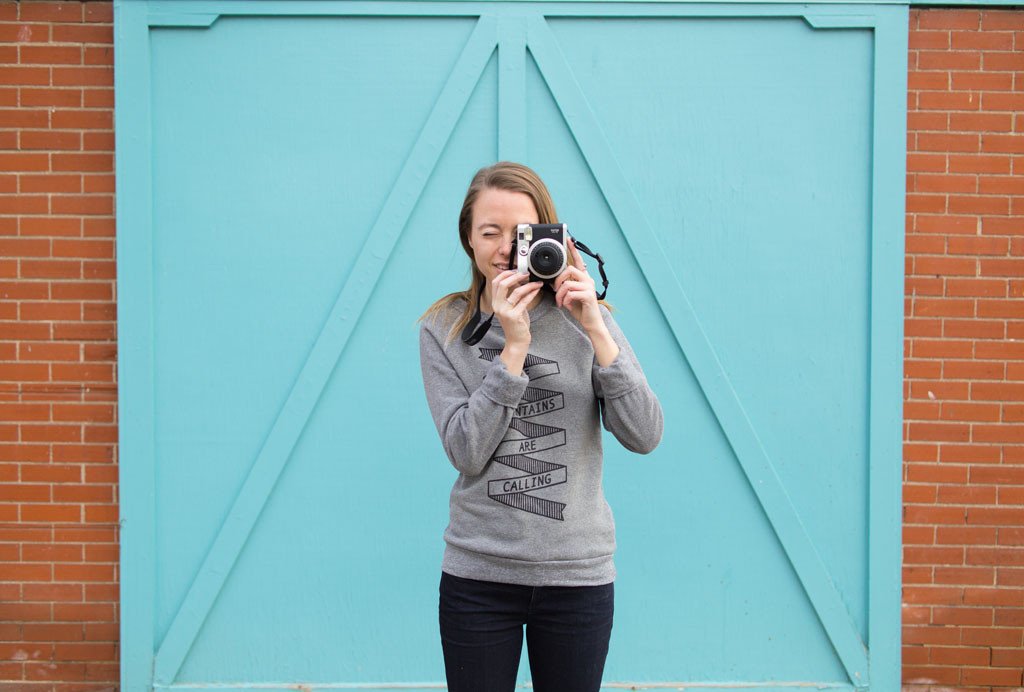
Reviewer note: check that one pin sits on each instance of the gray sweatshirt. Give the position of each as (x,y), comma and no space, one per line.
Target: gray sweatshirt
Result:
(528,506)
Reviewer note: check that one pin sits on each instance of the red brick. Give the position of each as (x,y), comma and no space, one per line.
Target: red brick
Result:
(928,182)
(962,411)
(51,226)
(24,204)
(89,572)
(978,81)
(930,634)
(949,19)
(965,575)
(934,595)
(1010,309)
(968,495)
(51,310)
(51,12)
(99,183)
(1003,143)
(1009,62)
(24,492)
(1001,185)
(977,329)
(990,676)
(920,410)
(1008,658)
(981,122)
(86,372)
(51,513)
(959,655)
(1012,576)
(38,76)
(981,40)
(88,76)
(977,204)
(95,514)
(1002,267)
(83,204)
(51,473)
(975,370)
(50,269)
(940,431)
(946,142)
(85,652)
(74,33)
(962,616)
(942,348)
(986,163)
(994,101)
(968,287)
(1009,616)
(935,121)
(98,141)
(935,204)
(81,290)
(928,81)
(998,350)
(1007,433)
(83,493)
(84,162)
(103,248)
(1002,20)
(51,55)
(51,97)
(946,307)
(921,389)
(947,101)
(51,183)
(992,636)
(93,612)
(935,473)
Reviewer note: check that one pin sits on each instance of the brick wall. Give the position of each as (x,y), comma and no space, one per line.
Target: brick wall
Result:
(58,477)
(963,573)
(964,454)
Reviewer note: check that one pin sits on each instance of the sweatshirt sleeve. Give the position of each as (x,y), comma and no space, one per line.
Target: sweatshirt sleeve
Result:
(470,425)
(629,409)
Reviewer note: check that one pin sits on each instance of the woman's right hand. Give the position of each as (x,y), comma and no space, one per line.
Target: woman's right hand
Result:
(511,295)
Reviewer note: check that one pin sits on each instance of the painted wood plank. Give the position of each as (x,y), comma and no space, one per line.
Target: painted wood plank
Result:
(325,353)
(700,353)
(885,397)
(135,359)
(512,89)
(471,7)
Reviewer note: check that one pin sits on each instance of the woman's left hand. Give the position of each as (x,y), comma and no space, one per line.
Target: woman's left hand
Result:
(574,290)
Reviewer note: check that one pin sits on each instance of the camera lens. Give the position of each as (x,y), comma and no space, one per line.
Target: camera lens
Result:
(547,259)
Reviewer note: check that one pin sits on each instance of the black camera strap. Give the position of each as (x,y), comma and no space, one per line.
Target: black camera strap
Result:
(475,329)
(600,266)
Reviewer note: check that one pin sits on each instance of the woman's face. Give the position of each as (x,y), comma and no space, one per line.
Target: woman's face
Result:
(496,213)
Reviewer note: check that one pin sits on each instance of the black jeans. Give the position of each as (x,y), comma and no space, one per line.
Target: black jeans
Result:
(567,633)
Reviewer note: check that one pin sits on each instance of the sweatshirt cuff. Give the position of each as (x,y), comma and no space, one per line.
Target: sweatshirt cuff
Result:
(619,377)
(502,387)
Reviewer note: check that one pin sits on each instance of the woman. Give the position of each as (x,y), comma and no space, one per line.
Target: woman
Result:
(530,538)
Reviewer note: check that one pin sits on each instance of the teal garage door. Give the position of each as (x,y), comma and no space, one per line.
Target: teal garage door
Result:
(289,176)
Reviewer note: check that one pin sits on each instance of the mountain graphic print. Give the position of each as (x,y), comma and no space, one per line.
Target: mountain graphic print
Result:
(527,438)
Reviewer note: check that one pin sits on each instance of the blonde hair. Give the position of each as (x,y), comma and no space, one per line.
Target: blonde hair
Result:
(504,175)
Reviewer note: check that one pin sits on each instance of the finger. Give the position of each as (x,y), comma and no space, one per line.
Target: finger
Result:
(506,284)
(519,293)
(577,297)
(578,285)
(524,301)
(577,258)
